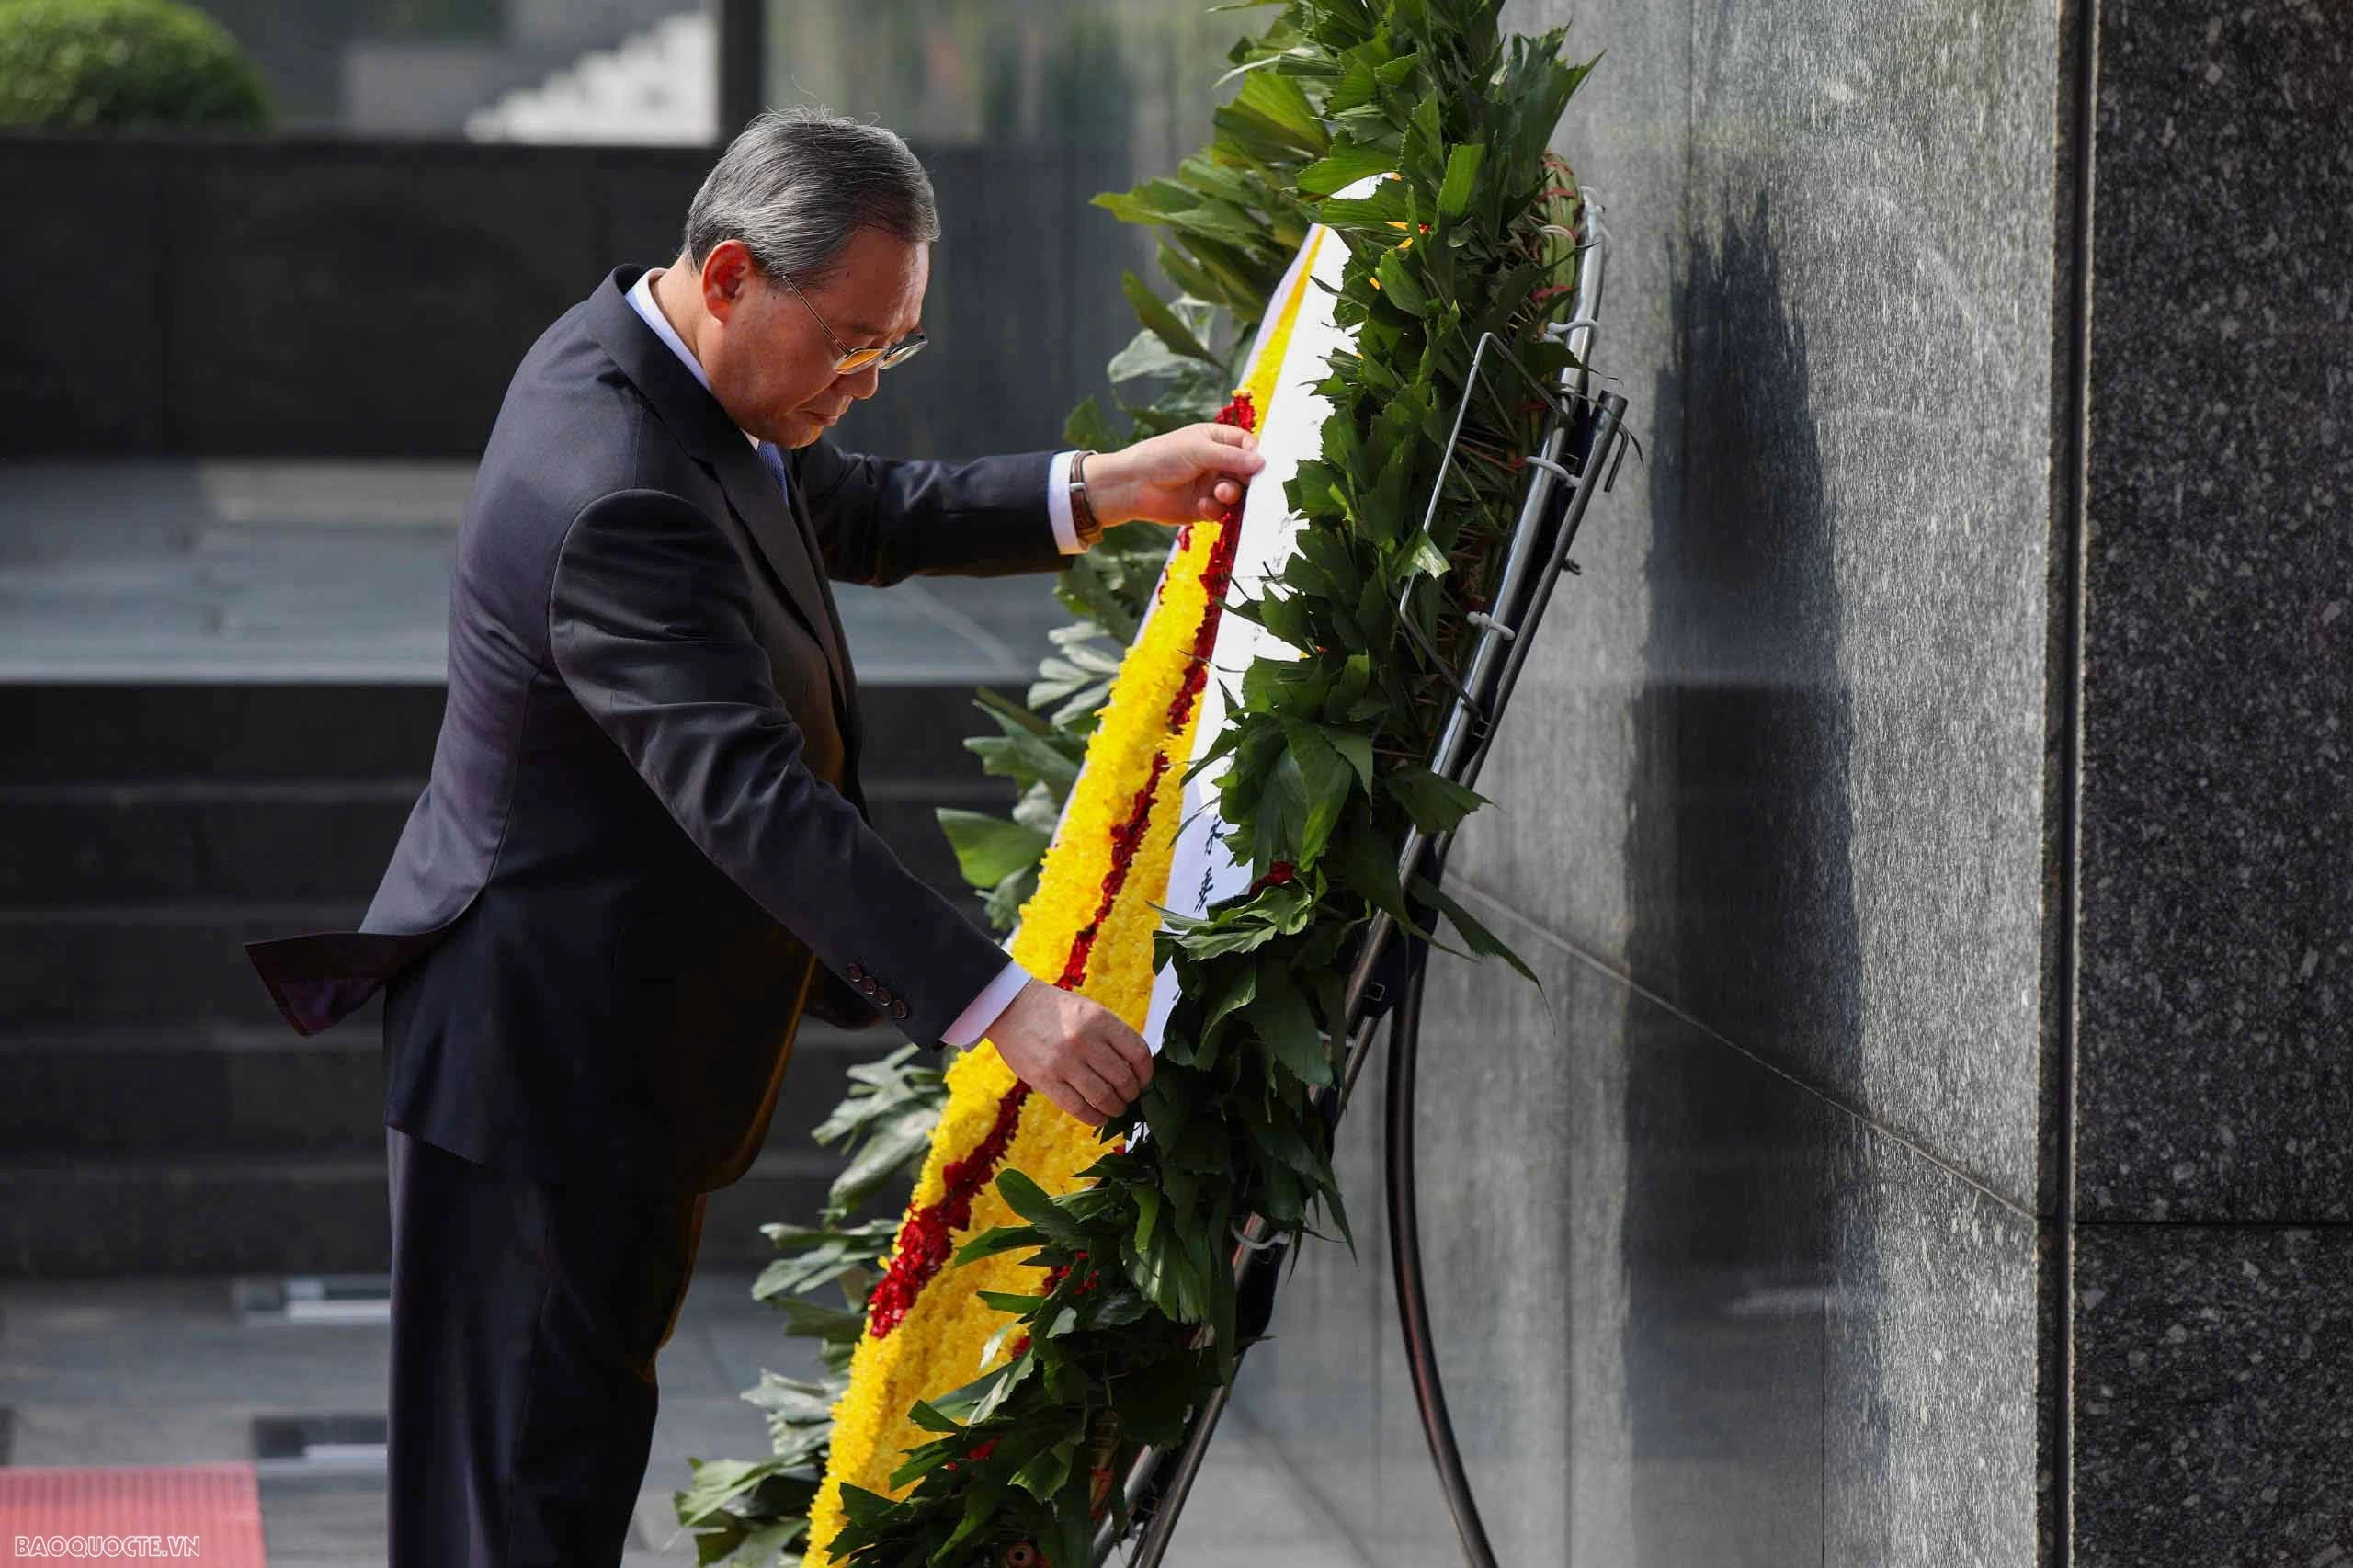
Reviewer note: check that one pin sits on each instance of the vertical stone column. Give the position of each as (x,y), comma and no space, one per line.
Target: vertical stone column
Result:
(2212,1304)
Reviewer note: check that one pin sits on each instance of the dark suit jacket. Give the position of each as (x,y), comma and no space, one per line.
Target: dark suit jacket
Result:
(596,934)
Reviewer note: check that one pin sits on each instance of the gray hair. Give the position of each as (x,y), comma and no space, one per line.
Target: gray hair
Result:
(798,182)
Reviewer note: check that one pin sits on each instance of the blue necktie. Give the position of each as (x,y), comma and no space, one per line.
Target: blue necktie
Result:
(774,457)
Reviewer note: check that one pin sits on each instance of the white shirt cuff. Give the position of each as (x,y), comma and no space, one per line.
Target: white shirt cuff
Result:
(1057,506)
(976,1021)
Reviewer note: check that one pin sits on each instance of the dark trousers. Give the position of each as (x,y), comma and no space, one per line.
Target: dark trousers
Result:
(525,1317)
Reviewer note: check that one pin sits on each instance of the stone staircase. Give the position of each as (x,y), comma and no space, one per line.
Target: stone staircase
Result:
(156,1114)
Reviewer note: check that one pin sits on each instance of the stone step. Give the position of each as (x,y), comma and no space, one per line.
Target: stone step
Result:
(184,962)
(80,732)
(159,963)
(148,1093)
(111,844)
(317,1215)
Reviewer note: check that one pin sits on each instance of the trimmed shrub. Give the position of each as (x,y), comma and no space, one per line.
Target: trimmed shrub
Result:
(110,63)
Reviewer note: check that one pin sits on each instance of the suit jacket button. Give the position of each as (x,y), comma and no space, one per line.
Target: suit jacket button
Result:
(853,973)
(882,995)
(867,986)
(898,1008)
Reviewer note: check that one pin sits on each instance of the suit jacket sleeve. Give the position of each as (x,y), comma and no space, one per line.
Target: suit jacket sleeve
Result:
(880,520)
(650,626)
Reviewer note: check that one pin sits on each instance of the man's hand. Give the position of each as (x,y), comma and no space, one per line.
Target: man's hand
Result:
(1075,1052)
(1197,471)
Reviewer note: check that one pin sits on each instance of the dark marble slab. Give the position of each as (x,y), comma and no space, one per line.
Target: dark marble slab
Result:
(1930,1452)
(2215,1078)
(2213,1396)
(1788,730)
(81,343)
(361,300)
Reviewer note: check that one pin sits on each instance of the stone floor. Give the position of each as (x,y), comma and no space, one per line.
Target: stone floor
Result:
(166,1371)
(176,570)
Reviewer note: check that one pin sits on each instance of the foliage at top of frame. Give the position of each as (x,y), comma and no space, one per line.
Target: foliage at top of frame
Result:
(105,64)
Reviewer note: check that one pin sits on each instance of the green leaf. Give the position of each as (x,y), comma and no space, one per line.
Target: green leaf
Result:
(998,1239)
(715,1484)
(1366,863)
(1030,1200)
(1087,428)
(1325,776)
(930,1420)
(1344,166)
(884,1157)
(1424,555)
(1437,804)
(1461,179)
(1146,356)
(1399,287)
(1354,749)
(1477,936)
(989,848)
(1044,1475)
(1278,101)
(1025,756)
(1283,1020)
(810,1319)
(1160,320)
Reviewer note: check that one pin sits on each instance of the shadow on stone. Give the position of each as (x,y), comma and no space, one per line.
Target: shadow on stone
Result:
(1742,915)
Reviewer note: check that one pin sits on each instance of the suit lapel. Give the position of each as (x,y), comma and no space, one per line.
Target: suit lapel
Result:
(784,540)
(853,727)
(783,536)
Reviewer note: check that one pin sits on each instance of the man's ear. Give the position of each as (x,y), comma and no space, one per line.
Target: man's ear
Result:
(726,275)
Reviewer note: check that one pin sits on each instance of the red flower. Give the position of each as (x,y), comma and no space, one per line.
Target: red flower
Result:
(926,1235)
(1125,835)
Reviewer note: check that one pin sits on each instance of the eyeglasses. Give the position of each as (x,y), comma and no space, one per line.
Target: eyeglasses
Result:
(853,360)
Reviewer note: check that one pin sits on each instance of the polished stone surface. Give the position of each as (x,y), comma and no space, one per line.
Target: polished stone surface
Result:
(1930,1443)
(167,1372)
(1688,1312)
(2215,1079)
(2213,1396)
(1790,771)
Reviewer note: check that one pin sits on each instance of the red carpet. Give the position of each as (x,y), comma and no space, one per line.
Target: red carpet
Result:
(203,1513)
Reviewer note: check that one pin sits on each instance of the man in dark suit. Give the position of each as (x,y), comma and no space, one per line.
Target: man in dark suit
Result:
(642,852)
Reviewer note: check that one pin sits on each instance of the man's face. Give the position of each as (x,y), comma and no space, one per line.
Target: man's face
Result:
(771,364)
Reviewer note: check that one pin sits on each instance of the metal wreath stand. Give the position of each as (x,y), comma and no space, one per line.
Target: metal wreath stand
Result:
(1578,452)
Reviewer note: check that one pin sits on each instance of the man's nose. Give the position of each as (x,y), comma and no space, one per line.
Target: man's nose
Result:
(861,383)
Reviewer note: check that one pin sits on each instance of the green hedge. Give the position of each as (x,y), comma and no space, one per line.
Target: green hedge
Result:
(104,64)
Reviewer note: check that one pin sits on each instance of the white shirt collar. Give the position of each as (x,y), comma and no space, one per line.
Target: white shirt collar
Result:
(641,300)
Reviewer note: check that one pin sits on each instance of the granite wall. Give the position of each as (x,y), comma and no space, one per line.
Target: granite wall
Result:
(2213,1084)
(1924,1148)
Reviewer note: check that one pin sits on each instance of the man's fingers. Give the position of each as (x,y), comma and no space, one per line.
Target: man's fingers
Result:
(1120,1069)
(1230,435)
(1098,1095)
(1131,1050)
(1225,457)
(1059,1091)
